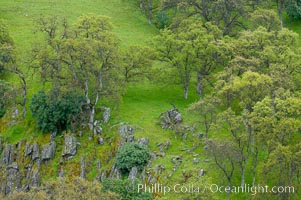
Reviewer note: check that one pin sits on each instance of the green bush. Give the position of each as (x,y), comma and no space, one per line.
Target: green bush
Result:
(131,155)
(162,20)
(293,8)
(125,188)
(55,114)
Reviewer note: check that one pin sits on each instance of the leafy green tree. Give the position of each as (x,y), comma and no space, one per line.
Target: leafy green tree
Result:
(191,47)
(56,114)
(8,62)
(131,155)
(265,18)
(293,8)
(224,155)
(137,62)
(92,59)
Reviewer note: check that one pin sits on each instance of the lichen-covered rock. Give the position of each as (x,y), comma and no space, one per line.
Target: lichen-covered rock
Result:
(35,151)
(13,180)
(7,155)
(48,151)
(28,150)
(70,146)
(35,178)
(170,118)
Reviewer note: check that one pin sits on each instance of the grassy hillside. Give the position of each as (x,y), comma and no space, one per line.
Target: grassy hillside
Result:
(141,103)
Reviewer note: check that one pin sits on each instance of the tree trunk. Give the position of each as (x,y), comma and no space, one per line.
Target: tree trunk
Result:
(255,166)
(149,10)
(199,84)
(185,92)
(88,101)
(280,9)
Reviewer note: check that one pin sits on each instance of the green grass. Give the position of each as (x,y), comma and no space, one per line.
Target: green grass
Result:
(140,106)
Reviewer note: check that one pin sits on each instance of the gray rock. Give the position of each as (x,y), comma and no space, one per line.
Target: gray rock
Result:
(100,140)
(170,118)
(98,165)
(106,114)
(48,151)
(126,133)
(35,151)
(196,160)
(35,178)
(13,180)
(131,138)
(143,141)
(177,160)
(184,136)
(133,174)
(158,169)
(70,146)
(103,176)
(200,135)
(97,130)
(115,173)
(143,175)
(151,179)
(202,172)
(7,155)
(28,150)
(167,144)
(82,167)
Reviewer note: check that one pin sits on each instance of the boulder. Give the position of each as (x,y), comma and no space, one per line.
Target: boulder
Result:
(170,118)
(100,140)
(48,151)
(70,146)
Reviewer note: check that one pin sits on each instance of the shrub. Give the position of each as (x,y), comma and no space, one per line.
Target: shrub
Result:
(293,8)
(162,20)
(132,155)
(55,114)
(125,188)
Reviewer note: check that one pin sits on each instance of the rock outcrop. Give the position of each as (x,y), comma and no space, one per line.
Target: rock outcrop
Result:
(70,147)
(48,151)
(170,118)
